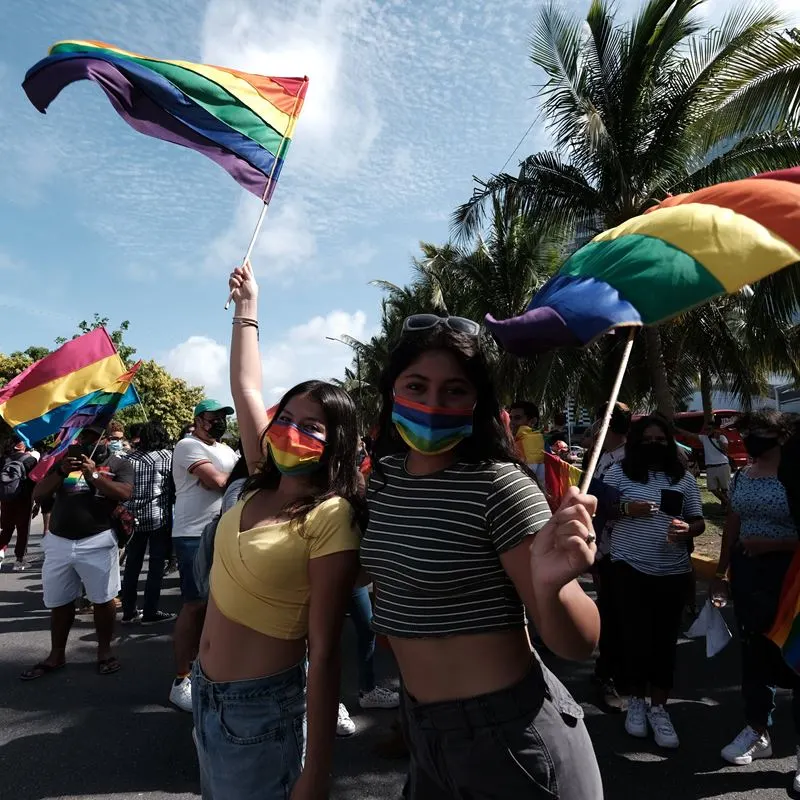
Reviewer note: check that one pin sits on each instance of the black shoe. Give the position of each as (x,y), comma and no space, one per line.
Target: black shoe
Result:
(132,619)
(160,616)
(610,697)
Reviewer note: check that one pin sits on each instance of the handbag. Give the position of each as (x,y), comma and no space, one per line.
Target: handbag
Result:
(123,523)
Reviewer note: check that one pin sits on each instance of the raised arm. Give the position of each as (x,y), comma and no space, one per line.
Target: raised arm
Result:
(248,399)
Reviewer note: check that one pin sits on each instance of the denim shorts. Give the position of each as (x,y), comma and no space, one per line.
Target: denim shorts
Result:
(185,549)
(525,741)
(249,734)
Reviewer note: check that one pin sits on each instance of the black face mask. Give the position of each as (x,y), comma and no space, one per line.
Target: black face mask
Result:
(217,428)
(756,446)
(655,454)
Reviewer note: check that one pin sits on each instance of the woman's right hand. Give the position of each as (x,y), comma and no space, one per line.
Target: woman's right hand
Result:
(719,592)
(242,284)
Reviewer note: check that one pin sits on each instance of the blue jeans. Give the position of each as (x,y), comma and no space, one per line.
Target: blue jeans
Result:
(360,609)
(185,549)
(249,734)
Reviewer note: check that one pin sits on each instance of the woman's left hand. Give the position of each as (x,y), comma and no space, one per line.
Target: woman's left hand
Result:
(678,530)
(565,548)
(307,788)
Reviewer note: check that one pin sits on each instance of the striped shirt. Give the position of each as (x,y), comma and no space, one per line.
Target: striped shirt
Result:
(433,543)
(642,541)
(153,496)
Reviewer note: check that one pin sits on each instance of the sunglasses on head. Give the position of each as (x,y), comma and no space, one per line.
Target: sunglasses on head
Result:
(425,322)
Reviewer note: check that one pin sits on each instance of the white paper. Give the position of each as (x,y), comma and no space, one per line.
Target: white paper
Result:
(711,624)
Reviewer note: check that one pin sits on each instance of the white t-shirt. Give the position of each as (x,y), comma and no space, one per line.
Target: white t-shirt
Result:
(194,504)
(714,458)
(642,541)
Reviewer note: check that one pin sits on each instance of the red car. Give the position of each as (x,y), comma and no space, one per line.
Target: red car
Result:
(725,419)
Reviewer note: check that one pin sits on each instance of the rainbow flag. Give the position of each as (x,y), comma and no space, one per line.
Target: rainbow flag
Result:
(98,409)
(687,250)
(785,631)
(243,122)
(39,401)
(558,477)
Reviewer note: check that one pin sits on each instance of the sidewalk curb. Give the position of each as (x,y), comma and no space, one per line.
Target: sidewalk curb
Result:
(704,567)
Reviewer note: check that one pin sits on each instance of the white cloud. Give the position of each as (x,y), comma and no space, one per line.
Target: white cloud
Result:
(305,352)
(286,240)
(301,354)
(200,361)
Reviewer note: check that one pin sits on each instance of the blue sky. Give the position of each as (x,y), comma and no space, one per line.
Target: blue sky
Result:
(408,99)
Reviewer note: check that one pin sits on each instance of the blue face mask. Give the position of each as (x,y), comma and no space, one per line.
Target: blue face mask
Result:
(115,446)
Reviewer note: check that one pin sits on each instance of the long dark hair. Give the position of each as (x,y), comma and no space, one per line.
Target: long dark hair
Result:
(489,440)
(635,466)
(152,436)
(338,472)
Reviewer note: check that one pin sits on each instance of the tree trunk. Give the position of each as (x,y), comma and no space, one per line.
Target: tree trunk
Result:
(658,373)
(706,391)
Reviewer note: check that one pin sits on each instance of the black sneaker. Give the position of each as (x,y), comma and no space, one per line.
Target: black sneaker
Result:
(159,616)
(132,619)
(610,697)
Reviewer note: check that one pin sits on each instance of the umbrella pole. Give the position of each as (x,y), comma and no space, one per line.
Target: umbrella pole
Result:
(601,434)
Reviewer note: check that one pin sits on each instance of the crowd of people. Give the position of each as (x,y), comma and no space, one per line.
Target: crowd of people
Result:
(439,536)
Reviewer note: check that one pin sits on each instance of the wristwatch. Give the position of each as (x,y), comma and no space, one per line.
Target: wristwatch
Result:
(95,476)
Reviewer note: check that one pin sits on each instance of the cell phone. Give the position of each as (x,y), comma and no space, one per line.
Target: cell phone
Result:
(672,502)
(74,451)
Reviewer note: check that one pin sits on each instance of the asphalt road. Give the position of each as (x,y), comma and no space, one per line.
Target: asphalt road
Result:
(75,734)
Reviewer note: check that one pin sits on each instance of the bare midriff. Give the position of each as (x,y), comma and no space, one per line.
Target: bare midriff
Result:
(233,652)
(458,667)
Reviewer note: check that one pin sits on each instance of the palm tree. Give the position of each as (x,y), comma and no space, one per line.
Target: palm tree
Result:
(648,108)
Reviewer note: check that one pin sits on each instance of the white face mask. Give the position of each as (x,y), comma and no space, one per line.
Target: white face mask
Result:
(115,446)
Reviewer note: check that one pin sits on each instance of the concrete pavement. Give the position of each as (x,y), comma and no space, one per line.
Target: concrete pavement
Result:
(76,735)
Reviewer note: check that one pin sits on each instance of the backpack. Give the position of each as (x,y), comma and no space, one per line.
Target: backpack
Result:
(12,478)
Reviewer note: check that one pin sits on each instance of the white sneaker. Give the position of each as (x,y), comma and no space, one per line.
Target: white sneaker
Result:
(796,782)
(180,695)
(379,697)
(19,566)
(636,718)
(344,725)
(663,730)
(747,746)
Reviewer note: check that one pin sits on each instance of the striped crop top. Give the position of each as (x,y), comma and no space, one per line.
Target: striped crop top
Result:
(433,543)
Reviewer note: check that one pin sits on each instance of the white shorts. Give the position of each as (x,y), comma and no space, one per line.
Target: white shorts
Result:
(718,477)
(68,563)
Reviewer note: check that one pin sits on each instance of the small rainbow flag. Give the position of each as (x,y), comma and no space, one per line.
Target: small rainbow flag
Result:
(40,400)
(785,630)
(97,409)
(243,122)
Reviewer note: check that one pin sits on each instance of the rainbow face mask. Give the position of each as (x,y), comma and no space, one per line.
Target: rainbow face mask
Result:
(428,429)
(294,451)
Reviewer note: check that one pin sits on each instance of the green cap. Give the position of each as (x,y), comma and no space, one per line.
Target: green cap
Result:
(211,405)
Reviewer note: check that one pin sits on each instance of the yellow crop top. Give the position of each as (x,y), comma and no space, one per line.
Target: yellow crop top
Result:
(259,578)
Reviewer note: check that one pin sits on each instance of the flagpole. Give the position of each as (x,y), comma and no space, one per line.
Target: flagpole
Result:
(265,207)
(597,448)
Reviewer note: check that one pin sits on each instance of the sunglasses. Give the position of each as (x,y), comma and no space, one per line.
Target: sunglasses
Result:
(425,322)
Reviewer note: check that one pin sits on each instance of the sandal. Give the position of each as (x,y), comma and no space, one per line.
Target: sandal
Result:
(40,670)
(108,666)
